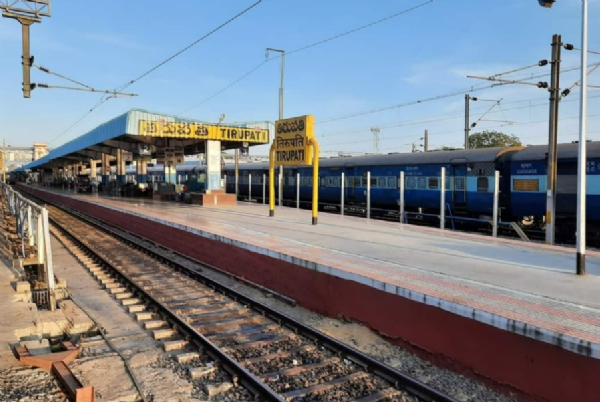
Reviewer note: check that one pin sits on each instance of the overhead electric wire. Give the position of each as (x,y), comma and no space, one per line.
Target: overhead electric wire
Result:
(486,113)
(102,91)
(48,71)
(168,59)
(576,83)
(226,88)
(406,11)
(434,133)
(589,51)
(517,70)
(306,47)
(443,117)
(194,43)
(430,99)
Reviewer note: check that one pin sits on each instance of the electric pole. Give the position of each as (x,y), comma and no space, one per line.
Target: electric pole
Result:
(467,99)
(376,131)
(280,114)
(426,141)
(553,139)
(26,12)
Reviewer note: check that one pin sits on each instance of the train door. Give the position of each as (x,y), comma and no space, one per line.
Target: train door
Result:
(459,194)
(350,185)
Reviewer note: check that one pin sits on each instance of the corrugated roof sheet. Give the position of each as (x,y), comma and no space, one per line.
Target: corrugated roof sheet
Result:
(127,123)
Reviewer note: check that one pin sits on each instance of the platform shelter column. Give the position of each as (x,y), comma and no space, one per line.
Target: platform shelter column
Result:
(93,171)
(170,174)
(105,169)
(213,165)
(121,178)
(141,168)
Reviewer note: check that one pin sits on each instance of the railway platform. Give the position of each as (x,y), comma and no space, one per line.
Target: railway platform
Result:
(500,309)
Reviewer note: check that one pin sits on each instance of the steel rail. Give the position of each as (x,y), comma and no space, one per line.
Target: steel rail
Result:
(237,371)
(394,376)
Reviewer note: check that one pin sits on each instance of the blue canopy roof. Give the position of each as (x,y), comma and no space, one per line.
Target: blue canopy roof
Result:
(127,123)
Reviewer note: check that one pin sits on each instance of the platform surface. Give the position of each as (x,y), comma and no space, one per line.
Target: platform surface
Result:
(521,287)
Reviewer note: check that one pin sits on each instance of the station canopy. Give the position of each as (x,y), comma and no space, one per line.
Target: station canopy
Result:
(141,132)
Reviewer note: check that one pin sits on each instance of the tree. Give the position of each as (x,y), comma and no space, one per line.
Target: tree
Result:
(445,148)
(491,139)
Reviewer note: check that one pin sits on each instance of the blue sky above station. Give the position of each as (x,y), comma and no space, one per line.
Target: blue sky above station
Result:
(418,55)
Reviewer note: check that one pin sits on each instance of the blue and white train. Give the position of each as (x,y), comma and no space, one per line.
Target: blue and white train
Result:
(469,182)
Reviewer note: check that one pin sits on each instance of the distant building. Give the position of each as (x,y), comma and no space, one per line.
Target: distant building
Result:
(39,150)
(20,156)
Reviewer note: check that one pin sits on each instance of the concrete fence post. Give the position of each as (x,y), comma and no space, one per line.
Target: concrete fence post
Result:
(443,199)
(401,189)
(297,190)
(496,203)
(368,195)
(30,227)
(342,194)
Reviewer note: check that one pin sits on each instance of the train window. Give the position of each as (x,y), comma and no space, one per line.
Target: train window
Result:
(448,183)
(526,184)
(433,183)
(373,181)
(411,183)
(421,183)
(391,182)
(330,182)
(482,184)
(322,182)
(292,181)
(357,181)
(459,183)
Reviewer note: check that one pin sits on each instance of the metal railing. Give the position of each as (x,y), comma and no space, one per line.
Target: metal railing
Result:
(34,234)
(444,216)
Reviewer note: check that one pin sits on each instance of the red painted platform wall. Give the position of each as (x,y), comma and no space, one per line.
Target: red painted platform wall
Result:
(539,371)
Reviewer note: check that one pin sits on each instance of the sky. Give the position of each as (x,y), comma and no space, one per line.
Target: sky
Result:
(415,56)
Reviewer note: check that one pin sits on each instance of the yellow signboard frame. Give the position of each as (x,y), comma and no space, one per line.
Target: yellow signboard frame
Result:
(151,128)
(295,144)
(292,138)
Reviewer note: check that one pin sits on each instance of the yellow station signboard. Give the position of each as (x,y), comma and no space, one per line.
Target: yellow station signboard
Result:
(203,131)
(292,140)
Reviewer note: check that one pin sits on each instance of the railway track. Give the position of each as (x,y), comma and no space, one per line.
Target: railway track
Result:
(275,357)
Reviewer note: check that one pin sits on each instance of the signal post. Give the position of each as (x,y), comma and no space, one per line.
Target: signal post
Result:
(295,144)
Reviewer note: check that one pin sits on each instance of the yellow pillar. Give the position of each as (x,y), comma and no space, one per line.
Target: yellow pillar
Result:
(272,180)
(315,202)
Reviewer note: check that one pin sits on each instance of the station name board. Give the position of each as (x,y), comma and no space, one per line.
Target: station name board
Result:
(292,140)
(203,131)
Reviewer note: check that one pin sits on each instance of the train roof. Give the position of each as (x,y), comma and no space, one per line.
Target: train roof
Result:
(565,151)
(420,158)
